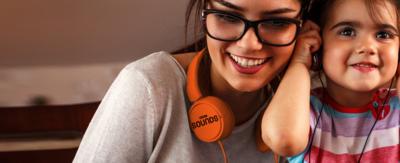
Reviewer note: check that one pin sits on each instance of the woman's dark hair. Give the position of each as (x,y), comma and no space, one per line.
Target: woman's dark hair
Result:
(195,6)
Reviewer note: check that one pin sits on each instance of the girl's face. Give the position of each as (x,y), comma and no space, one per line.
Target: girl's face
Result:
(246,65)
(360,53)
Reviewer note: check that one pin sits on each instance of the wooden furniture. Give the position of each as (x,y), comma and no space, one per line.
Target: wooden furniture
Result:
(41,134)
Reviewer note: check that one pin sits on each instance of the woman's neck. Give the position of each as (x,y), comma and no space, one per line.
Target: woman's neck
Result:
(347,97)
(243,104)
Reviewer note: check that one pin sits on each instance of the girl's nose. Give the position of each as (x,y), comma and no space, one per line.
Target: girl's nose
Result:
(367,45)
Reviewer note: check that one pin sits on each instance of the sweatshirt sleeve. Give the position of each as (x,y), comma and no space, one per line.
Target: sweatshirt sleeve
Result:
(122,129)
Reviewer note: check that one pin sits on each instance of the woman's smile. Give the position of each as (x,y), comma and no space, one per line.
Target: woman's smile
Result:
(248,65)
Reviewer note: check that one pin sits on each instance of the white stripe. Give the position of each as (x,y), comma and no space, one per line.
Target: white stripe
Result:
(354,145)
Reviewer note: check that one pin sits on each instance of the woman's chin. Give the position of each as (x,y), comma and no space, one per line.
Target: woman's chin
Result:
(247,86)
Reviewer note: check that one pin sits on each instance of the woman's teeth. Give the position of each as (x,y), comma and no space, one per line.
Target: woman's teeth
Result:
(244,62)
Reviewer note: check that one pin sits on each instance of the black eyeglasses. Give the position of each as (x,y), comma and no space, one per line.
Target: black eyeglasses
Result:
(226,26)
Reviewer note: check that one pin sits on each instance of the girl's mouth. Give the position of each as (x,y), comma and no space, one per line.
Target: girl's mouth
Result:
(364,67)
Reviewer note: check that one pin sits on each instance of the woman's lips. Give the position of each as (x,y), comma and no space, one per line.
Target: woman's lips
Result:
(247,65)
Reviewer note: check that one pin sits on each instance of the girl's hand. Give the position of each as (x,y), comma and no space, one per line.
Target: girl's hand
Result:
(308,42)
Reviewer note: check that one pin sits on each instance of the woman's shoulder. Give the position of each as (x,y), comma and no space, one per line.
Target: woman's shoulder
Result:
(156,64)
(153,60)
(162,59)
(157,68)
(184,59)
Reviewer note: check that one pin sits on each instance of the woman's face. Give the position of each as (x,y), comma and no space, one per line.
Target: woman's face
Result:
(246,65)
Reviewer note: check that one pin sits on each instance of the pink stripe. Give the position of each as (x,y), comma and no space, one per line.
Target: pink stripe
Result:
(346,126)
(386,154)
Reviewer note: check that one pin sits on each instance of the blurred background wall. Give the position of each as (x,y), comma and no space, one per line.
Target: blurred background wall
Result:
(69,51)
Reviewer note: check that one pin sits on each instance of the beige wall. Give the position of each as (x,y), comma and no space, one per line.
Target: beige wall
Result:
(71,50)
(55,32)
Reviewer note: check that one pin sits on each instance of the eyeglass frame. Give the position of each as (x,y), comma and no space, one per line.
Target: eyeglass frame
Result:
(250,24)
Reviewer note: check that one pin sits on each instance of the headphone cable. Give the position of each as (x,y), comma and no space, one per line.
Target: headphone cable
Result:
(376,120)
(318,118)
(369,133)
(221,146)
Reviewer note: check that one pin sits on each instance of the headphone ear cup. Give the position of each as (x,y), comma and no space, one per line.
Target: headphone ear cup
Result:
(316,64)
(211,119)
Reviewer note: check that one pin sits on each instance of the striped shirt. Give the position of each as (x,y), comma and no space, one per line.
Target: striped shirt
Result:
(342,131)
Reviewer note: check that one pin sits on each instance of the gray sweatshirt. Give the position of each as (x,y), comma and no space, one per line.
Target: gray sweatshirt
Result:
(143,118)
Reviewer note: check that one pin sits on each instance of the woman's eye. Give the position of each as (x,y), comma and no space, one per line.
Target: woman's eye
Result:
(347,31)
(278,23)
(227,18)
(384,35)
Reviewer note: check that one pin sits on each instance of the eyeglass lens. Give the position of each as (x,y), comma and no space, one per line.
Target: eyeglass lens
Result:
(230,28)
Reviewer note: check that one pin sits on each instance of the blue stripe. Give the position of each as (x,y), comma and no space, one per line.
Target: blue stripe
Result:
(297,159)
(394,102)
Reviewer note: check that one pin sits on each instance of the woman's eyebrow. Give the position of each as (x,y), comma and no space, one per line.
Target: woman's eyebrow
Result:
(229,5)
(279,11)
(265,13)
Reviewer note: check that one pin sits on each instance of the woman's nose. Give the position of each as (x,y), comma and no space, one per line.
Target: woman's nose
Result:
(250,41)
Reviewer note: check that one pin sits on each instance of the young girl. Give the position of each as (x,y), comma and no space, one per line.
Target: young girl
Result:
(144,115)
(354,116)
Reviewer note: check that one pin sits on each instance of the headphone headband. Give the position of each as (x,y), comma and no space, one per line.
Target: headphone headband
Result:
(192,84)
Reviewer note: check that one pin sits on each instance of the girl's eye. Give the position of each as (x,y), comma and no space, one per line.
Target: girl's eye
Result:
(384,35)
(347,31)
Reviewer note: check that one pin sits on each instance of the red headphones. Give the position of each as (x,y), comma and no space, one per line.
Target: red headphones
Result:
(210,118)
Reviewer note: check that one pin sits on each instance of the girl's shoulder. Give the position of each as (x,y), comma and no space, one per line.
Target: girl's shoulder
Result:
(317,92)
(392,97)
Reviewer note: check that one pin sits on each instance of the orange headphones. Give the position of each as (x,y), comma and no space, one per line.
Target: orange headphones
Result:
(210,118)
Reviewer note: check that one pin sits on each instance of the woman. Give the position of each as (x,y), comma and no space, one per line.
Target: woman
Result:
(144,115)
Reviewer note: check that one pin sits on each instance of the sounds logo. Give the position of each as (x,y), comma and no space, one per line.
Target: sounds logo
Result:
(204,120)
